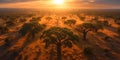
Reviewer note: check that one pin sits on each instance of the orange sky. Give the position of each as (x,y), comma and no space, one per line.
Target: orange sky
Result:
(44,4)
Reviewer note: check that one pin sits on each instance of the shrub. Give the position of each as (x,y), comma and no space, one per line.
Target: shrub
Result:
(3,29)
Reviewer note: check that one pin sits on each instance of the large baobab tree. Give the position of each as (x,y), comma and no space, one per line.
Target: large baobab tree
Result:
(59,37)
(31,31)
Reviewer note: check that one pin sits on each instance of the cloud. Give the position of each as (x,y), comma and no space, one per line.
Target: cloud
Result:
(113,2)
(106,2)
(13,1)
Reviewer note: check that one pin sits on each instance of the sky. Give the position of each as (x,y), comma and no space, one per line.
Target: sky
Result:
(88,4)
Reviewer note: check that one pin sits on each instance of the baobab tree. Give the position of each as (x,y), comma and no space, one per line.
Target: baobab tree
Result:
(81,18)
(70,22)
(87,27)
(3,29)
(48,18)
(106,23)
(31,31)
(22,20)
(35,19)
(59,37)
(97,26)
(64,18)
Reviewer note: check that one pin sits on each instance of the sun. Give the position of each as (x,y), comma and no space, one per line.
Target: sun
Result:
(58,2)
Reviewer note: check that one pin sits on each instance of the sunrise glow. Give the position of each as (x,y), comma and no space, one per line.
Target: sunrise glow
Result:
(58,2)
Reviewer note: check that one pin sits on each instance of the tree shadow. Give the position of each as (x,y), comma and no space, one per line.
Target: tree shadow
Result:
(11,55)
(98,51)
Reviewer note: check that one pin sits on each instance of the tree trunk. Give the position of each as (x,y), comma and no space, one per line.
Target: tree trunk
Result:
(59,55)
(85,36)
(52,54)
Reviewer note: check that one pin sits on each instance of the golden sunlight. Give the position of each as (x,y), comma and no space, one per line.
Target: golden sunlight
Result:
(58,2)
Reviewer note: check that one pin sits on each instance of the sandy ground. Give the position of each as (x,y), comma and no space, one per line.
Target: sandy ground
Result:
(103,49)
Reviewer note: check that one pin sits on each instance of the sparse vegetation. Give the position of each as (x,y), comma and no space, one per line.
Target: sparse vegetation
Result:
(62,35)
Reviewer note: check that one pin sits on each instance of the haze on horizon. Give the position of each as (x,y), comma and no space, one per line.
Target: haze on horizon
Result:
(82,4)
